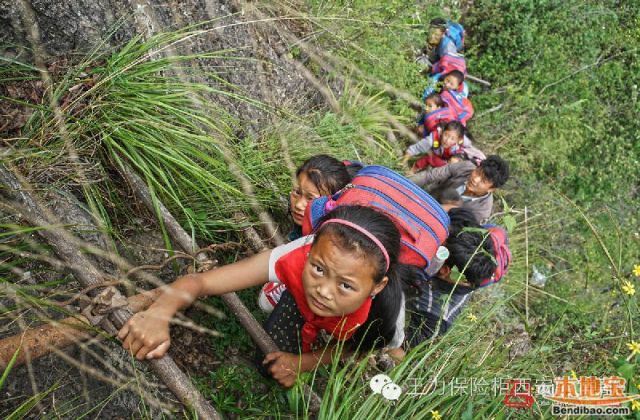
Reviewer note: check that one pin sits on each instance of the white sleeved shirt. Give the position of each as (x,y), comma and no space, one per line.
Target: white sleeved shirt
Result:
(282,250)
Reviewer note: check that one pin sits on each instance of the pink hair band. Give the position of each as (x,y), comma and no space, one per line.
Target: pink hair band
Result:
(365,233)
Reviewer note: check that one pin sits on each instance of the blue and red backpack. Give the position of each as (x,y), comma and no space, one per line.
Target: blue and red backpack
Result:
(422,222)
(498,235)
(438,117)
(448,63)
(460,106)
(453,33)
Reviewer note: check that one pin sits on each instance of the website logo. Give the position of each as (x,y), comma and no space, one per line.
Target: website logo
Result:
(591,391)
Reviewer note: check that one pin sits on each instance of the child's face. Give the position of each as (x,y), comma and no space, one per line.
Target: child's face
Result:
(430,105)
(435,36)
(450,138)
(301,195)
(337,282)
(451,83)
(477,184)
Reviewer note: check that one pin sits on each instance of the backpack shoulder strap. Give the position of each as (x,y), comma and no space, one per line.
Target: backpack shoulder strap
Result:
(435,136)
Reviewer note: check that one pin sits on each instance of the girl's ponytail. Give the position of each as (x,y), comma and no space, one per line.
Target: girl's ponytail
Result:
(468,135)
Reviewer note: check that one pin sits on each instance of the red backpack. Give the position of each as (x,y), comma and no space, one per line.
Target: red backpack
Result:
(498,235)
(461,107)
(435,118)
(422,222)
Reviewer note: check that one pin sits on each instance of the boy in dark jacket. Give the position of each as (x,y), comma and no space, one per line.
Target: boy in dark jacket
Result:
(438,44)
(475,183)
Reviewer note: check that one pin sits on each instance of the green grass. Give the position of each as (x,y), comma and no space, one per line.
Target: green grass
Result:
(252,396)
(567,126)
(25,408)
(565,146)
(136,111)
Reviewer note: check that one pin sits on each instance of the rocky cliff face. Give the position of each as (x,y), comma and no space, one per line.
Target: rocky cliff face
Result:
(263,70)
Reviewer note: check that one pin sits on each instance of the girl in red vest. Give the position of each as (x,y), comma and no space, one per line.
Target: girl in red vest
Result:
(343,281)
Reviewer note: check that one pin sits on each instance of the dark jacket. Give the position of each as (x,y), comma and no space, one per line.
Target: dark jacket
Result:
(440,302)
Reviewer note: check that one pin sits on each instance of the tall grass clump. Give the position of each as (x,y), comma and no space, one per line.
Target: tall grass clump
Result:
(138,107)
(135,107)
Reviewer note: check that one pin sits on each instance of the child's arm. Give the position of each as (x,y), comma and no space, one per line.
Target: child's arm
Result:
(434,176)
(423,146)
(405,158)
(146,334)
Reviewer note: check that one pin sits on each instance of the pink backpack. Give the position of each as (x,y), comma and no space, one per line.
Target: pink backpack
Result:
(448,63)
(461,107)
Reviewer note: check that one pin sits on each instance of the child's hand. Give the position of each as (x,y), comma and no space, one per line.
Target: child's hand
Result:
(410,171)
(397,354)
(284,367)
(146,335)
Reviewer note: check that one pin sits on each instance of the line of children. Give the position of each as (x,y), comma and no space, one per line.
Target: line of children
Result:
(463,179)
(446,101)
(345,279)
(451,161)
